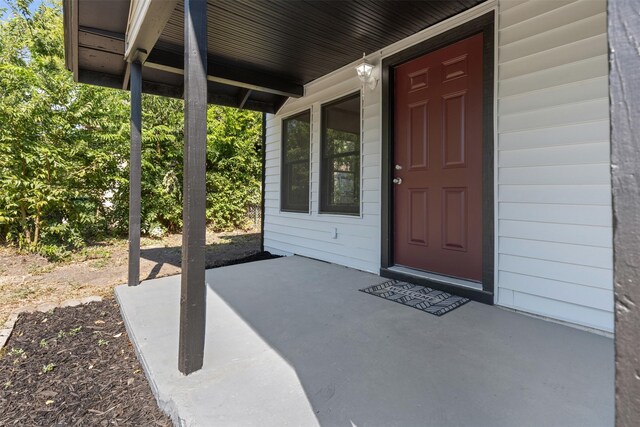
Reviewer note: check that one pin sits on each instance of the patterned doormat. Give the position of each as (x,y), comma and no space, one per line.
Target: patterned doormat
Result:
(416,296)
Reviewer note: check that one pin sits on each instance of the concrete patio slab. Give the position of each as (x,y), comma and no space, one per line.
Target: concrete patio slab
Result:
(291,341)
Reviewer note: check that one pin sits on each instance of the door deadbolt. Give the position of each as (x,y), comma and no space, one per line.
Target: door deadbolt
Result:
(398,167)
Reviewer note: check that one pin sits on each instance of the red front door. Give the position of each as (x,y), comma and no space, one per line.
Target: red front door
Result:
(438,161)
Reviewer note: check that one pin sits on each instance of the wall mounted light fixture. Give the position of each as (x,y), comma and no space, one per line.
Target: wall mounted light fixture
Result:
(365,73)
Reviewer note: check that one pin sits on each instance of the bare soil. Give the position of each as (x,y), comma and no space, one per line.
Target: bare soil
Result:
(74,366)
(28,280)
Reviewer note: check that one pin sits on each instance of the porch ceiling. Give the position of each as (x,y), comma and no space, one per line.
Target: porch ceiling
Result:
(260,52)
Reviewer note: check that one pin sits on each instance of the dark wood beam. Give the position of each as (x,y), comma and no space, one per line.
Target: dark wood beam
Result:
(278,104)
(74,38)
(160,89)
(71,28)
(104,33)
(135,173)
(113,81)
(98,78)
(193,287)
(147,19)
(222,71)
(264,178)
(127,72)
(232,101)
(624,93)
(243,97)
(101,42)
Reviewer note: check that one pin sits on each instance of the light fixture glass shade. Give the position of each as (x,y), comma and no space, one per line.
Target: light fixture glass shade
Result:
(364,71)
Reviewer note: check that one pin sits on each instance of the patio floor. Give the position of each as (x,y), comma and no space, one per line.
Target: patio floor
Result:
(291,341)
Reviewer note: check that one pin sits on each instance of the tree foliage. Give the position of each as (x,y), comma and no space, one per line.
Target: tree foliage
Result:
(233,144)
(64,149)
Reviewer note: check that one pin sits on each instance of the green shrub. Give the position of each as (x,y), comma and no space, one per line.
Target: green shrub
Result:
(64,150)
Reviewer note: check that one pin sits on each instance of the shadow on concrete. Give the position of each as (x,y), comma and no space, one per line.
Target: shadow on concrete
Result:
(365,361)
(235,249)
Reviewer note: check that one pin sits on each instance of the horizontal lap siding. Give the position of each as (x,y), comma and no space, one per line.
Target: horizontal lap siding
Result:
(357,243)
(554,191)
(553,219)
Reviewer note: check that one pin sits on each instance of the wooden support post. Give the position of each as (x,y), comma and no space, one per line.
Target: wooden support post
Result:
(135,172)
(624,93)
(264,178)
(193,290)
(243,97)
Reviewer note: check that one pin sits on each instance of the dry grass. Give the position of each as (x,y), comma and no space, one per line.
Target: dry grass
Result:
(28,280)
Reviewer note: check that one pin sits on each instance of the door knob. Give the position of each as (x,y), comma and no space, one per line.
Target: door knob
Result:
(397,181)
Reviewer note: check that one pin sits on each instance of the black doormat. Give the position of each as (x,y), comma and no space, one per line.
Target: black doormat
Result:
(416,296)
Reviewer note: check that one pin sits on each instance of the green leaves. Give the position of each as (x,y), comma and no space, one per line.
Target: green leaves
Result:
(53,170)
(233,166)
(64,149)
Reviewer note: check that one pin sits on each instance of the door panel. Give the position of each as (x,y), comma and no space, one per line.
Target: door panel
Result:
(454,219)
(419,151)
(453,141)
(438,153)
(419,227)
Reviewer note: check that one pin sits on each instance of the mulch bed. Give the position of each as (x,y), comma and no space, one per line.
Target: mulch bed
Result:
(74,366)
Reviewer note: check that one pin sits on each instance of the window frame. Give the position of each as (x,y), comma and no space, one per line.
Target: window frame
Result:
(284,163)
(325,208)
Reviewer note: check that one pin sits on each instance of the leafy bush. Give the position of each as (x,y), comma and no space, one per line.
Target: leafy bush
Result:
(233,166)
(64,149)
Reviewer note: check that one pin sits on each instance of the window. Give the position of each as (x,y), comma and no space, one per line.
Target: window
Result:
(340,163)
(296,138)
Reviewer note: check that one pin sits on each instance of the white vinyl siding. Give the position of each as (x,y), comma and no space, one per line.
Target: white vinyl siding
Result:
(553,210)
(554,192)
(349,240)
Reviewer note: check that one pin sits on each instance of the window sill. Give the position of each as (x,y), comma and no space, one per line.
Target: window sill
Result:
(341,214)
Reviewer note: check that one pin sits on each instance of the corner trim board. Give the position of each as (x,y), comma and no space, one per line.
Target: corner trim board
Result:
(624,90)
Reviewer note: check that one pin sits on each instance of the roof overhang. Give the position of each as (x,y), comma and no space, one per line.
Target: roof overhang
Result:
(260,53)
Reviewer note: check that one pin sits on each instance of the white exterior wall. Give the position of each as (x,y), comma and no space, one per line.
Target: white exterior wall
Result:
(553,201)
(554,212)
(357,243)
